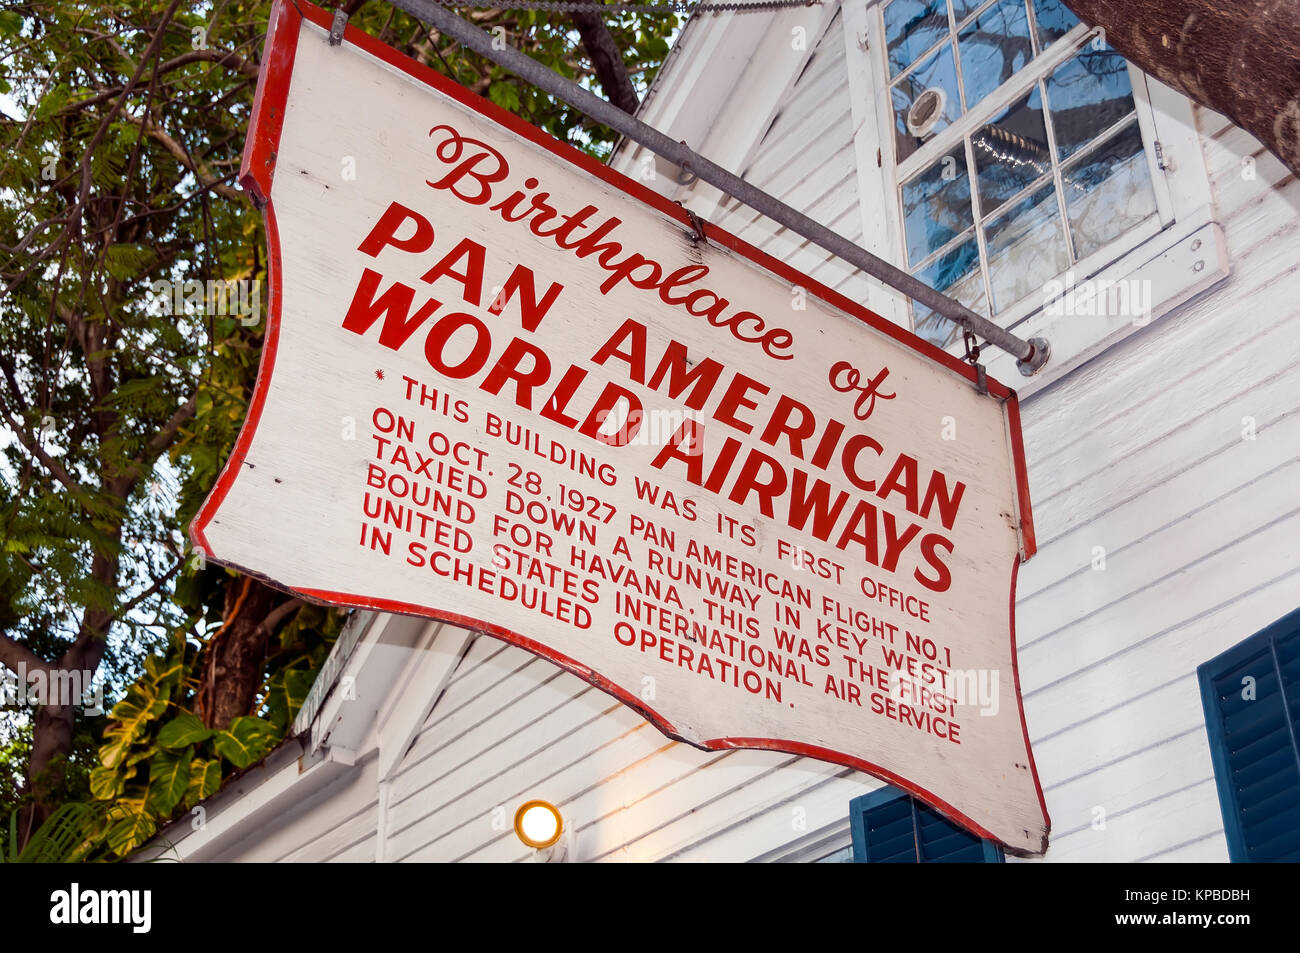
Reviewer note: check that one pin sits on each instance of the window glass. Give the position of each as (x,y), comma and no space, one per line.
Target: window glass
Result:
(1026,247)
(1108,191)
(936,78)
(911,28)
(1011,152)
(1054,20)
(956,273)
(993,47)
(936,206)
(961,9)
(1088,94)
(842,856)
(1005,204)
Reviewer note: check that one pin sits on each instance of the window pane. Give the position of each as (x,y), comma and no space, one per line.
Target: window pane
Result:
(1011,151)
(1108,191)
(1087,95)
(911,28)
(1054,21)
(1026,248)
(993,46)
(957,274)
(961,9)
(842,856)
(938,77)
(936,205)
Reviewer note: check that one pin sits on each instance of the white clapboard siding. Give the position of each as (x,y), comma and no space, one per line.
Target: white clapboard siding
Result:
(818,806)
(1135,834)
(1195,588)
(1142,453)
(531,710)
(1237,468)
(1207,848)
(437,822)
(1086,802)
(805,158)
(750,818)
(1137,672)
(337,822)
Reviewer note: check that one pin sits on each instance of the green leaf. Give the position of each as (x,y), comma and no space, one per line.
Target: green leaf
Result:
(65,837)
(169,777)
(164,672)
(504,95)
(248,739)
(185,729)
(136,825)
(130,716)
(106,783)
(285,695)
(205,780)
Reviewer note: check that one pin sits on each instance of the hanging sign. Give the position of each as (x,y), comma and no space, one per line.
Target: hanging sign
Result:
(507,387)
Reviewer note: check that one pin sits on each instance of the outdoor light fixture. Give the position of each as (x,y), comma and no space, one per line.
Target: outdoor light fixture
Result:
(538,824)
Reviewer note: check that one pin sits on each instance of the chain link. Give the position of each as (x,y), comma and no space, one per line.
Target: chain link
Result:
(668,6)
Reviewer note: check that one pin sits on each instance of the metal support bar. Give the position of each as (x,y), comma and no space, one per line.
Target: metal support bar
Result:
(1032,354)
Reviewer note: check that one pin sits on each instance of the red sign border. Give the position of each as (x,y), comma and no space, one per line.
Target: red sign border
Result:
(256,175)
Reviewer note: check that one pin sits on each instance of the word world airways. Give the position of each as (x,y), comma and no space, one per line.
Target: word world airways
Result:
(740,438)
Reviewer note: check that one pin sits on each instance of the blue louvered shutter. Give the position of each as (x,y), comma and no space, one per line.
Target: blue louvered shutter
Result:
(1251,695)
(889,827)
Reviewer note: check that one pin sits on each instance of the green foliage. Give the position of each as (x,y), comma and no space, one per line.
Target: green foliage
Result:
(66,837)
(120,139)
(129,824)
(245,741)
(159,760)
(548,38)
(182,731)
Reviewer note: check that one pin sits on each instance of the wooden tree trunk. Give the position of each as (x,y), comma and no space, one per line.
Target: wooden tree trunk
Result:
(53,725)
(233,659)
(1239,57)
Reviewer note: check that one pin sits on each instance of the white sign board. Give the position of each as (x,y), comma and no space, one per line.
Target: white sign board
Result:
(507,387)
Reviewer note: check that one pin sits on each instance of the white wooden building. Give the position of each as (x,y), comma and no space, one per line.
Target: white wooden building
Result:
(952,137)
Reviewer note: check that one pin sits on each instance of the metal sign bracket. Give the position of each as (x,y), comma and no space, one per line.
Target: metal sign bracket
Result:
(338,26)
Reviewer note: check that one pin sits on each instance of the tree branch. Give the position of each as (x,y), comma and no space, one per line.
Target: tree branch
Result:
(52,466)
(13,654)
(1240,58)
(157,584)
(274,617)
(231,61)
(201,172)
(608,60)
(164,437)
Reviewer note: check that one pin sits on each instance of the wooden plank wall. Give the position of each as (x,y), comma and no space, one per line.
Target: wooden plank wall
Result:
(1141,452)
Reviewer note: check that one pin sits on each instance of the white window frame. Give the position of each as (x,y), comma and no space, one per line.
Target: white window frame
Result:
(1181,250)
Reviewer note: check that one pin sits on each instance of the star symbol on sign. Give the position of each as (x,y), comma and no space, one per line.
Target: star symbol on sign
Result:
(379,375)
